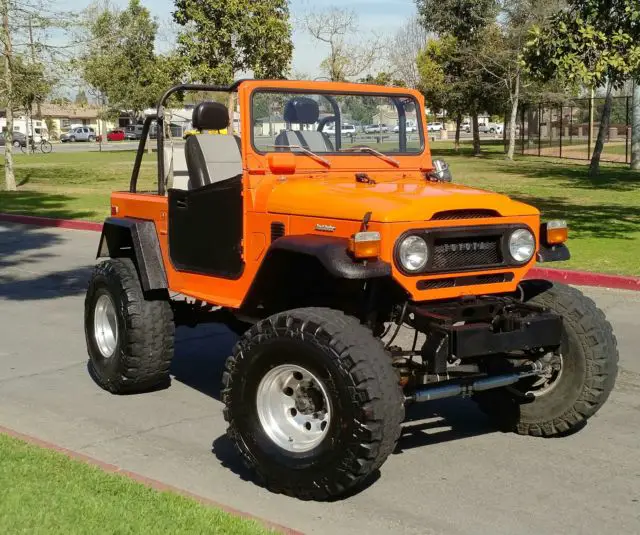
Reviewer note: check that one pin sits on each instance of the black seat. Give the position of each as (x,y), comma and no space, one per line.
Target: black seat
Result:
(212,158)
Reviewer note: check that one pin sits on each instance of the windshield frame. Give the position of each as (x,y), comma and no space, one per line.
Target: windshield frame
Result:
(336,93)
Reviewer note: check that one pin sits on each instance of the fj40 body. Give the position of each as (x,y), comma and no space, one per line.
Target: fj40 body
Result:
(359,279)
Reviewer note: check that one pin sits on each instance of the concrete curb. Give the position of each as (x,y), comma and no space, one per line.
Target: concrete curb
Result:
(152,483)
(577,278)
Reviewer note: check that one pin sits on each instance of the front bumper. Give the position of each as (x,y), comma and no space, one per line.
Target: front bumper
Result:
(483,326)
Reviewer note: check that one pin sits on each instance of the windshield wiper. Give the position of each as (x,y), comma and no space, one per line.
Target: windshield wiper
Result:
(365,148)
(315,156)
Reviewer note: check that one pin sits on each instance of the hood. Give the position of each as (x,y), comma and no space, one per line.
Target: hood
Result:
(389,202)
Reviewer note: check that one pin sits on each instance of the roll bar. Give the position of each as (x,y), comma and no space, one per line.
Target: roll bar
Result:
(159,117)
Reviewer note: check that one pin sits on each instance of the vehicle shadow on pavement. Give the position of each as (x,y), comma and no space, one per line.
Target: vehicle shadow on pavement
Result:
(200,355)
(442,421)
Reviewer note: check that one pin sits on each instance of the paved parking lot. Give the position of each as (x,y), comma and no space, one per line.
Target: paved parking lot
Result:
(452,473)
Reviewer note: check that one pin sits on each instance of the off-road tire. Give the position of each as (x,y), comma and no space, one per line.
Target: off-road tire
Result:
(590,364)
(146,329)
(366,399)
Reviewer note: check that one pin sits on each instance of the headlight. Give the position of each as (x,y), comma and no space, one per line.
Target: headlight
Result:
(413,253)
(522,245)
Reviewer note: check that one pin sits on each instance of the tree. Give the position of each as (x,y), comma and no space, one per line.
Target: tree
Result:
(221,38)
(347,59)
(592,42)
(635,131)
(81,98)
(502,58)
(120,65)
(403,52)
(440,79)
(465,21)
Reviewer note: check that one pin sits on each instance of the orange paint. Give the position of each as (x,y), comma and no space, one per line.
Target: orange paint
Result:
(301,193)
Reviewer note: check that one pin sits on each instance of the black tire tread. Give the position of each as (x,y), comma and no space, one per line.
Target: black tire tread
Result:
(148,346)
(376,390)
(599,345)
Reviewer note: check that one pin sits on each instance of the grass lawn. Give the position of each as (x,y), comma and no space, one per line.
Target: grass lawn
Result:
(603,213)
(46,492)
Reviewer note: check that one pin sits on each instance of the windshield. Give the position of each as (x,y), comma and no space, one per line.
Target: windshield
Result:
(329,123)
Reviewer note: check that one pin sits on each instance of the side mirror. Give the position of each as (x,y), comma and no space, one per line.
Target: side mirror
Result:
(282,163)
(440,172)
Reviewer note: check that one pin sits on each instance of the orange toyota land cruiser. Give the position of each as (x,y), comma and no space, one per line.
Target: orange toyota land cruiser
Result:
(359,279)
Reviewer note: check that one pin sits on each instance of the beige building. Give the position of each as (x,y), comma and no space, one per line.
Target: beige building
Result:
(60,118)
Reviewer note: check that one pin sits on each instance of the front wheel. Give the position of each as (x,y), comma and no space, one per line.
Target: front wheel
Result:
(313,403)
(581,377)
(46,147)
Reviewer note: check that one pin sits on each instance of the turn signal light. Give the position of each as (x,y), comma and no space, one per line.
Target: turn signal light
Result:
(557,232)
(365,245)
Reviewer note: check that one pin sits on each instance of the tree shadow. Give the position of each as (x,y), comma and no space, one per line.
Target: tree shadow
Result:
(22,245)
(41,204)
(613,178)
(603,221)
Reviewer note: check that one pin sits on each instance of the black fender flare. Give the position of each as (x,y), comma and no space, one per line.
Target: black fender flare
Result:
(329,251)
(332,253)
(138,240)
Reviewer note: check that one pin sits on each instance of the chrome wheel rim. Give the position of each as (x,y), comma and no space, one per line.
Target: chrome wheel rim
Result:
(549,380)
(293,408)
(105,326)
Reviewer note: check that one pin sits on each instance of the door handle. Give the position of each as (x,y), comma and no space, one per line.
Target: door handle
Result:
(181,203)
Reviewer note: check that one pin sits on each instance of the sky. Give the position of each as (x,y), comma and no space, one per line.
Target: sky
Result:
(380,16)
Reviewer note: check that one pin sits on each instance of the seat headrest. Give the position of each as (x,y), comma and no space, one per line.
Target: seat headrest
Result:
(301,110)
(210,116)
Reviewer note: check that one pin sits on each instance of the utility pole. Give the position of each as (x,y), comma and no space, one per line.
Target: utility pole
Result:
(635,128)
(10,179)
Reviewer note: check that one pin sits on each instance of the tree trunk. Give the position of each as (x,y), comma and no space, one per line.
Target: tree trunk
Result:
(605,120)
(9,176)
(458,126)
(476,133)
(635,129)
(513,120)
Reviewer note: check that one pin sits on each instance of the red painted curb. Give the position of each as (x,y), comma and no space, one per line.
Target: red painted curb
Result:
(153,483)
(586,278)
(74,224)
(578,278)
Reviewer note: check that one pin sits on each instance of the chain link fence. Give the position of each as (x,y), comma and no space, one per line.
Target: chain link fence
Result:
(570,130)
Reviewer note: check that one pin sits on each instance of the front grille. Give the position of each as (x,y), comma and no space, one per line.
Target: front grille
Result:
(493,278)
(448,215)
(455,253)
(277,231)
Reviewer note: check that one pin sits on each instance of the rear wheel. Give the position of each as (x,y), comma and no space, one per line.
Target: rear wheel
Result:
(129,334)
(313,403)
(581,377)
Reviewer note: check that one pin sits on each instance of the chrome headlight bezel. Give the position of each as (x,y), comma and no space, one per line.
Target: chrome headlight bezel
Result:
(527,239)
(403,252)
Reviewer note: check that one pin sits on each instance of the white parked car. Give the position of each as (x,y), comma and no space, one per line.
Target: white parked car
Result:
(411,127)
(435,127)
(346,129)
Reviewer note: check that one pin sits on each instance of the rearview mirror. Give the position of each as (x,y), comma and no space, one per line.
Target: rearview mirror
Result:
(440,172)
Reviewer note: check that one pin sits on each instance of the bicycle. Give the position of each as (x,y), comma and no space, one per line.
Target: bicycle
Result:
(44,146)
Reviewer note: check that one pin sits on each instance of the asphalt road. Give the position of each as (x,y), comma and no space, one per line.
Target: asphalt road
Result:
(452,474)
